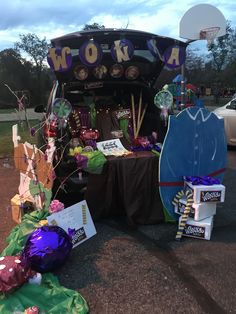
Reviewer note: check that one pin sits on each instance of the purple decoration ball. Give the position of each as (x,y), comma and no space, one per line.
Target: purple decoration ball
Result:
(32,131)
(47,248)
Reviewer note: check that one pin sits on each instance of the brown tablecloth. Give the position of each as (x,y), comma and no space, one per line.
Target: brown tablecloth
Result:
(127,186)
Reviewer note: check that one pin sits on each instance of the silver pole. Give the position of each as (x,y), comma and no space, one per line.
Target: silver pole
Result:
(182,86)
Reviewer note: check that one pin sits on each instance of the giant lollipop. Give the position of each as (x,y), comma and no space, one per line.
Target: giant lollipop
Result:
(164,101)
(47,248)
(61,108)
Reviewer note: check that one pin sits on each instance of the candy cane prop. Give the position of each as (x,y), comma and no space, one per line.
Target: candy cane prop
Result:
(185,215)
(177,197)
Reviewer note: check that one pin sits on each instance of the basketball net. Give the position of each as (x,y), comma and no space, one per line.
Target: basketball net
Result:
(209,34)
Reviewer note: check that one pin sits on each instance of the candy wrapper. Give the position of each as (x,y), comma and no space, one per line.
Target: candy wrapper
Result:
(201,180)
(81,161)
(47,248)
(199,229)
(117,134)
(206,193)
(198,211)
(13,273)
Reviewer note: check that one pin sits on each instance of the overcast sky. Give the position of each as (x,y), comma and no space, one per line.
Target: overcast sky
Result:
(50,18)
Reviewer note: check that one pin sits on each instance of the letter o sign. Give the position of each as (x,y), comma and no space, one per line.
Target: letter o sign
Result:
(90,53)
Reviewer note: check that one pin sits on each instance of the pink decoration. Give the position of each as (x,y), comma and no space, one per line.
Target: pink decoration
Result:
(32,310)
(56,206)
(89,134)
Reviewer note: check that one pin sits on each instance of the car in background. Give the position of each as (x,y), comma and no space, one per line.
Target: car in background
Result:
(228,113)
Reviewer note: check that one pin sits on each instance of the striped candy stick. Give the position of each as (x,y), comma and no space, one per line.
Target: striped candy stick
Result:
(84,215)
(77,119)
(184,217)
(177,197)
(74,124)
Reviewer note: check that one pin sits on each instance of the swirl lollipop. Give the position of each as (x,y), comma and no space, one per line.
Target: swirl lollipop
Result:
(61,108)
(164,100)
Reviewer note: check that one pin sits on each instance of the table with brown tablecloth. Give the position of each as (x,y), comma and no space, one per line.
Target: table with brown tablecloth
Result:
(127,186)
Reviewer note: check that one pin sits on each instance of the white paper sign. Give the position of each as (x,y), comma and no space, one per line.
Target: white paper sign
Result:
(112,147)
(75,217)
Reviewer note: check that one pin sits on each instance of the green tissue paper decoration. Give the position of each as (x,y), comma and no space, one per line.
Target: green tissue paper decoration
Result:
(93,115)
(49,296)
(124,123)
(96,160)
(19,234)
(39,189)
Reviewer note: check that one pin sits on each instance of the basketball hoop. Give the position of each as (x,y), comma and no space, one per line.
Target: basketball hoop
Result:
(209,34)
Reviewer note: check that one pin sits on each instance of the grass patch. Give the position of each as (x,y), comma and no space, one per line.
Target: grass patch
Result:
(6,147)
(12,109)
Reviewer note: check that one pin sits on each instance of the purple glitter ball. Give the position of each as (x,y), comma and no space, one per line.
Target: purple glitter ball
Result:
(47,248)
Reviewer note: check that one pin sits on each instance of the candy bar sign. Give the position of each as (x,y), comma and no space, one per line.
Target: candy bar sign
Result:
(123,114)
(76,217)
(210,196)
(78,236)
(195,231)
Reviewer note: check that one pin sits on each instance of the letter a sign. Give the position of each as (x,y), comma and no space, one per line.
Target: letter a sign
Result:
(59,59)
(174,57)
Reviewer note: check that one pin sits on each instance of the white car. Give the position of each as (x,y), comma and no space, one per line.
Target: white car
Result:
(228,112)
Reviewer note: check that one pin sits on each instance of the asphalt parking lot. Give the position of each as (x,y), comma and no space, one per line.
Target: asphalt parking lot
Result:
(121,270)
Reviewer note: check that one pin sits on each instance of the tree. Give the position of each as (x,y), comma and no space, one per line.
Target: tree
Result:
(93,26)
(36,48)
(15,72)
(194,66)
(222,49)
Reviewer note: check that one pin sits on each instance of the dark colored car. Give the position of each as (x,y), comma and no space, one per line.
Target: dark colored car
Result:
(98,72)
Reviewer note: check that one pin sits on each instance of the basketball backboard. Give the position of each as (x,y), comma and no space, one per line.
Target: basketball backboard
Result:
(199,18)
